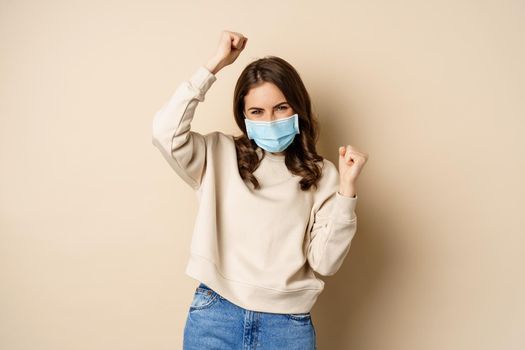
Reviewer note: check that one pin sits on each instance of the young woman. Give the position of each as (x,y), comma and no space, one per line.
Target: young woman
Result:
(271,210)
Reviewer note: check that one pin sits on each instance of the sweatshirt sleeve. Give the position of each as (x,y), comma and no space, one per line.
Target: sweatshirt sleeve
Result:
(184,149)
(334,227)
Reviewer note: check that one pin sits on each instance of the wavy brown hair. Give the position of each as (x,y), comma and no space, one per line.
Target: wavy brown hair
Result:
(301,156)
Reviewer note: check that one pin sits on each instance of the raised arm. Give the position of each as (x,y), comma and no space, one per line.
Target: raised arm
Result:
(334,227)
(184,149)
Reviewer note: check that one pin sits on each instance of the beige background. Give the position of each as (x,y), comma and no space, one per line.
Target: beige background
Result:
(95,226)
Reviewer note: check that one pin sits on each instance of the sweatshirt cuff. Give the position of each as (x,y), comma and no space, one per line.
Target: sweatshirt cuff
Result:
(344,206)
(202,80)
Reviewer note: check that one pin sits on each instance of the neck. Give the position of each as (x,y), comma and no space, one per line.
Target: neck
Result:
(275,154)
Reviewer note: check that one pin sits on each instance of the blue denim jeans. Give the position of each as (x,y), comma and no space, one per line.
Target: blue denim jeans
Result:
(214,323)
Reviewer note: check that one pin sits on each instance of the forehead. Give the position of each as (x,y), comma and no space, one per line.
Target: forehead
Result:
(265,95)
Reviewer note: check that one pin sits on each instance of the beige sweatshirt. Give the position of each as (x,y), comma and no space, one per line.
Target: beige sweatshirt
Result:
(257,248)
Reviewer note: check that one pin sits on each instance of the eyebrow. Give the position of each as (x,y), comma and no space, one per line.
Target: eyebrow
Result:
(273,106)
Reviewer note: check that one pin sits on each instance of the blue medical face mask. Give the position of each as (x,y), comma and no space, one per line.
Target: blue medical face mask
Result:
(273,136)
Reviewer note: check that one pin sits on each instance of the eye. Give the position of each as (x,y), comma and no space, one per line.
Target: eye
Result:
(283,107)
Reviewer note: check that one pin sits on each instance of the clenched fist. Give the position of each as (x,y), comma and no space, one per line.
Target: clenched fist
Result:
(230,46)
(351,162)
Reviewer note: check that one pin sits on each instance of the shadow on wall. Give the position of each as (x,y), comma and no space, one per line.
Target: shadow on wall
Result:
(341,311)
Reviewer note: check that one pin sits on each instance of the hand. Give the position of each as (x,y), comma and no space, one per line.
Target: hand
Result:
(230,46)
(351,162)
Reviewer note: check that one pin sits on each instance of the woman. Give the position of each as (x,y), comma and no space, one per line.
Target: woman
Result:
(271,210)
